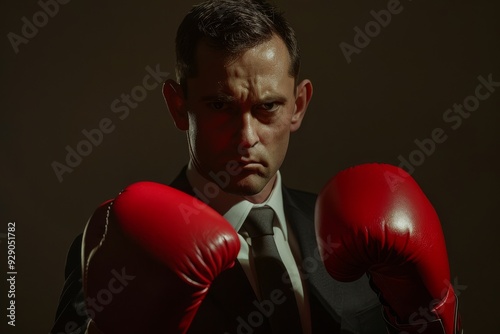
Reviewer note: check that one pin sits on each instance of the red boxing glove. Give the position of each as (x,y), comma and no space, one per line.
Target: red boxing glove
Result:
(149,257)
(385,226)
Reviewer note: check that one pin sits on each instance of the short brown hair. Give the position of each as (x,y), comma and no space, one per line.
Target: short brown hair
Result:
(232,26)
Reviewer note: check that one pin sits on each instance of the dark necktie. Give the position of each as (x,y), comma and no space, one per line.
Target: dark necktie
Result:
(273,279)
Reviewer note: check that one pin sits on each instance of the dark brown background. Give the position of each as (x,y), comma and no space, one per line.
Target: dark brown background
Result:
(395,91)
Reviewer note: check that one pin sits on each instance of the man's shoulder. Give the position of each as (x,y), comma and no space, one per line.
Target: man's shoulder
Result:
(298,193)
(304,200)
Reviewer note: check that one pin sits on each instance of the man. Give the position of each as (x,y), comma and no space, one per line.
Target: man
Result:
(238,98)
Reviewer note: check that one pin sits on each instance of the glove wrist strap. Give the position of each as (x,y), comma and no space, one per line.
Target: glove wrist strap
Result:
(445,315)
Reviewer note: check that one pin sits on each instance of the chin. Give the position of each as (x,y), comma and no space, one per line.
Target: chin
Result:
(247,186)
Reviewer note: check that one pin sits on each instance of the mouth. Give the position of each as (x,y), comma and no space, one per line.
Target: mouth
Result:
(252,166)
(250,163)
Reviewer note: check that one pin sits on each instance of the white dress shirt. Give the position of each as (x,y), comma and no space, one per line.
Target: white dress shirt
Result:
(235,209)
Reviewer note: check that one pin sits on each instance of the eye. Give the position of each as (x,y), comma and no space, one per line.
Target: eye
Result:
(217,105)
(270,107)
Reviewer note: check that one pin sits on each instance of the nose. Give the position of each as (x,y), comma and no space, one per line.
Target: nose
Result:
(249,137)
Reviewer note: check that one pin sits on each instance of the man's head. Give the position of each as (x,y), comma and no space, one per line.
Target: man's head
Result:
(238,97)
(232,26)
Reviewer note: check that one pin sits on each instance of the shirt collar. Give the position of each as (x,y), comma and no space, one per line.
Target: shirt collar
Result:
(235,208)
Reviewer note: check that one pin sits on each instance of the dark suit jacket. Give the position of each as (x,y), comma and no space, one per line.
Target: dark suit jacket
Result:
(336,307)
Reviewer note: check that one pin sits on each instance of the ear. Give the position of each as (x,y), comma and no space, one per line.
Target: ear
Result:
(302,99)
(174,97)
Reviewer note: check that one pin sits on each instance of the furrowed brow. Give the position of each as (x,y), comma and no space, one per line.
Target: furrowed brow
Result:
(217,97)
(273,98)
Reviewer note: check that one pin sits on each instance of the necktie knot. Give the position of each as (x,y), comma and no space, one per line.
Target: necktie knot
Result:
(259,222)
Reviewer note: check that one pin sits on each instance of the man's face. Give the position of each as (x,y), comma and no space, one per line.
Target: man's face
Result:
(240,113)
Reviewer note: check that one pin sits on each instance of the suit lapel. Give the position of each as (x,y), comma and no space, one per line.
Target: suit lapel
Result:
(299,209)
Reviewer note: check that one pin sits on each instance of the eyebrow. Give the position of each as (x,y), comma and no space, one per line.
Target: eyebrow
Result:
(221,97)
(218,97)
